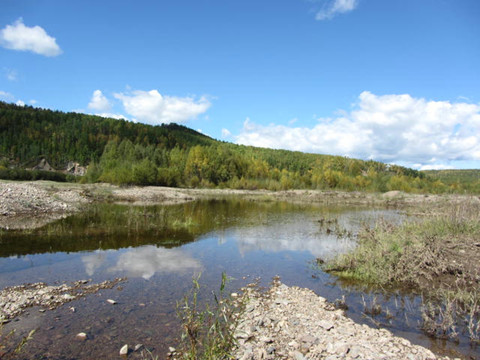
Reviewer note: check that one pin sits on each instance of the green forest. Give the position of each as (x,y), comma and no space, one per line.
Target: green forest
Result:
(126,153)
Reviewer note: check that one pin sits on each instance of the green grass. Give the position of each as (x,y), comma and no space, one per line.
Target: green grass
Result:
(436,256)
(208,332)
(410,252)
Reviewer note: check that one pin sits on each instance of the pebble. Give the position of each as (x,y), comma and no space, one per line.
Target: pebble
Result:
(124,350)
(81,336)
(110,301)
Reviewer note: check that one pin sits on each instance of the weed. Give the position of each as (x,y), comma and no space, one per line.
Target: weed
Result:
(373,308)
(208,333)
(10,354)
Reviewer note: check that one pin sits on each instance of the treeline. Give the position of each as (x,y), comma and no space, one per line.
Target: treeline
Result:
(242,167)
(457,180)
(126,153)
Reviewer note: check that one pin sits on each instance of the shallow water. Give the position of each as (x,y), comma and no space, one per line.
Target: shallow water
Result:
(160,248)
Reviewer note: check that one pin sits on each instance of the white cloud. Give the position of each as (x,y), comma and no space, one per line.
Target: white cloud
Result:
(388,128)
(226,133)
(5,96)
(335,7)
(153,108)
(33,102)
(111,115)
(99,102)
(23,38)
(435,167)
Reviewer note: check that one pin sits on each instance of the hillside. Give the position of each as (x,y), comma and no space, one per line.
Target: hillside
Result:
(461,179)
(28,134)
(123,152)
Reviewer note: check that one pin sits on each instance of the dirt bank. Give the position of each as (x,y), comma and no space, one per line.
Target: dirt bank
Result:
(294,323)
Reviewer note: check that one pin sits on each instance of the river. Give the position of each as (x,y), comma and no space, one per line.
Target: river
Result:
(160,248)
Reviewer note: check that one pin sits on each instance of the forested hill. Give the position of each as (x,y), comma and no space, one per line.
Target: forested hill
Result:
(27,134)
(123,152)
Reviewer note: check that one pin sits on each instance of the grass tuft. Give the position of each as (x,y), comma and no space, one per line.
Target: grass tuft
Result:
(436,256)
(208,332)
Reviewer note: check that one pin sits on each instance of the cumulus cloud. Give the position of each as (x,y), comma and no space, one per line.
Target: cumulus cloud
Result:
(17,36)
(7,97)
(112,115)
(153,108)
(335,7)
(99,102)
(226,133)
(388,128)
(433,167)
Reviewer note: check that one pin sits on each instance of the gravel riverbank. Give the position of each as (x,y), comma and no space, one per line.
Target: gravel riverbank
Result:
(294,323)
(14,300)
(29,205)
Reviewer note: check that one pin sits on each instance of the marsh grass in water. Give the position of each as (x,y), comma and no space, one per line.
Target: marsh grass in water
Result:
(435,256)
(208,332)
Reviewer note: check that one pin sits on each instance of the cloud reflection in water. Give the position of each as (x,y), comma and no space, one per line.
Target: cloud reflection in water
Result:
(147,260)
(93,262)
(290,237)
(297,232)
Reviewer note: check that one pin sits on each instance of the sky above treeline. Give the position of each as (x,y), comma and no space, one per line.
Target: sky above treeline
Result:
(396,81)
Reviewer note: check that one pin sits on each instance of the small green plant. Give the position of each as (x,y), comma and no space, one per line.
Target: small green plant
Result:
(10,354)
(208,332)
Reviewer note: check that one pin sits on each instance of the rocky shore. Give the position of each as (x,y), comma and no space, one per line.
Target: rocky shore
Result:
(15,300)
(27,205)
(294,323)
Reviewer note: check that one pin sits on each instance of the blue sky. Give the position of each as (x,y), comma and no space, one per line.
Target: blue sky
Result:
(390,80)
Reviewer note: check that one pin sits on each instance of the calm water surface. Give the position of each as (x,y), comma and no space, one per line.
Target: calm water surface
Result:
(160,248)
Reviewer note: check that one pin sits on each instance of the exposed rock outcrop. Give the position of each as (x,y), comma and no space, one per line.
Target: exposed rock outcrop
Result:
(74,168)
(43,165)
